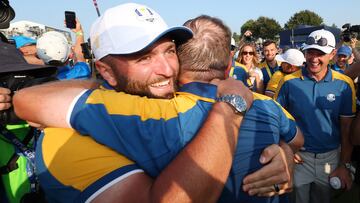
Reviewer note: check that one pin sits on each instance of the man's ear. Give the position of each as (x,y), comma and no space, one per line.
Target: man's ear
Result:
(106,72)
(333,53)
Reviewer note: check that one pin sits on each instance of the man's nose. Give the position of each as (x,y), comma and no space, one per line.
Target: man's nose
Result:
(164,67)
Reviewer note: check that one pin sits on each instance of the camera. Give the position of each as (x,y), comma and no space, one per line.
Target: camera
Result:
(18,80)
(7,13)
(350,32)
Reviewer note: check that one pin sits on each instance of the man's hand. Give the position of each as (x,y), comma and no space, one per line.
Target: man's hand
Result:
(5,98)
(232,86)
(247,33)
(277,169)
(344,176)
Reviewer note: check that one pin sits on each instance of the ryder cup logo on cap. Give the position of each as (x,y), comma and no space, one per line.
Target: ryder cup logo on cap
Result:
(130,28)
(322,40)
(291,56)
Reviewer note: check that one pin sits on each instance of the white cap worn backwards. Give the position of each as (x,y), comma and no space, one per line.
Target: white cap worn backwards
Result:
(291,56)
(130,28)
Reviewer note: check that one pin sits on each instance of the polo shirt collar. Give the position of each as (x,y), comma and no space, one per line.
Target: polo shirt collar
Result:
(200,89)
(305,74)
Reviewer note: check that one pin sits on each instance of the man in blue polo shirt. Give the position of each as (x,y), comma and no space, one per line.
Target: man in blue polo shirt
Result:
(323,104)
(342,56)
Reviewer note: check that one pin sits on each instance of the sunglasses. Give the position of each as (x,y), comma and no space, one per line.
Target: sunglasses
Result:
(321,42)
(251,53)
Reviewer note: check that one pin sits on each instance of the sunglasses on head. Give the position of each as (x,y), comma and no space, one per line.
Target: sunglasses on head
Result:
(321,42)
(251,53)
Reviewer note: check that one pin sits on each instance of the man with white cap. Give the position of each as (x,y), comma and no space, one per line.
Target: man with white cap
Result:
(291,61)
(53,48)
(323,104)
(160,88)
(137,55)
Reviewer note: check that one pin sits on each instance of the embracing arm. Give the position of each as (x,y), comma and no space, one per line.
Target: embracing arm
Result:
(198,173)
(355,130)
(47,104)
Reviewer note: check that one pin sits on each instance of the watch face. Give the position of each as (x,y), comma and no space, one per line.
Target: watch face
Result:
(240,104)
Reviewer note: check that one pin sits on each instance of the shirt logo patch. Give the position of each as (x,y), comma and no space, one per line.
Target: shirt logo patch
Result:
(330,97)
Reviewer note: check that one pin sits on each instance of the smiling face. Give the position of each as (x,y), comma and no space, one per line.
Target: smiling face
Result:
(247,55)
(342,60)
(270,52)
(317,62)
(152,73)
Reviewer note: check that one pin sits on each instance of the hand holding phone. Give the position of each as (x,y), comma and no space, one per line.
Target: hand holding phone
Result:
(70,19)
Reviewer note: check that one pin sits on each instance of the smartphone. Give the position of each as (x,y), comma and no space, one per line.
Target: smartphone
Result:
(70,19)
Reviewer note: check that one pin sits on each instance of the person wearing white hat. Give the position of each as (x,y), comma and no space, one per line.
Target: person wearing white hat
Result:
(53,48)
(137,54)
(323,104)
(291,61)
(155,49)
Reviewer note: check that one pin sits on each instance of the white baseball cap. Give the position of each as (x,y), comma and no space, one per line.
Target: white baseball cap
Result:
(53,46)
(130,28)
(291,56)
(322,40)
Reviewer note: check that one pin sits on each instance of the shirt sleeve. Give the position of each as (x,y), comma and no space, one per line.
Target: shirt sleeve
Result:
(348,101)
(287,125)
(240,74)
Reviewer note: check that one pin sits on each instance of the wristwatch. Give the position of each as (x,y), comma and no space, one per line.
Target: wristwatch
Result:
(235,101)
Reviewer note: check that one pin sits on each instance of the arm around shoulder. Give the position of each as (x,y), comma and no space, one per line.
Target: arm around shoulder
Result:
(47,104)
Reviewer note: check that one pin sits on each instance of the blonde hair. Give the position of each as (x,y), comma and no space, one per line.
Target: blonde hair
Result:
(255,59)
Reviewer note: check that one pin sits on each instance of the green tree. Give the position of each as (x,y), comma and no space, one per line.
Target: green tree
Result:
(236,36)
(305,17)
(248,25)
(266,28)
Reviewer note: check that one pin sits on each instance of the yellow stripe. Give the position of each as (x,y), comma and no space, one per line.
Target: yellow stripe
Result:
(346,79)
(274,81)
(77,160)
(268,71)
(231,73)
(130,105)
(296,74)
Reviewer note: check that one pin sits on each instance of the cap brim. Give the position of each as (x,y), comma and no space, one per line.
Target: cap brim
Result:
(325,49)
(280,58)
(343,53)
(179,34)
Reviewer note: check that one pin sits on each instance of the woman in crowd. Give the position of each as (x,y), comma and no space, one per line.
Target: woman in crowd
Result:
(249,58)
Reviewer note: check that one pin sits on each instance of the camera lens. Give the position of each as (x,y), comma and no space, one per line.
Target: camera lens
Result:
(6,14)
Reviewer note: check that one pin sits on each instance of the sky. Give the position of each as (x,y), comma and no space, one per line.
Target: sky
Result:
(233,12)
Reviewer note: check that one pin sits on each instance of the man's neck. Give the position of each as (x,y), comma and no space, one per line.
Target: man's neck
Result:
(272,64)
(318,76)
